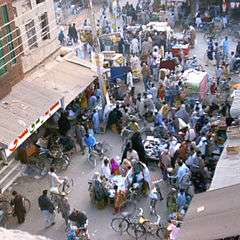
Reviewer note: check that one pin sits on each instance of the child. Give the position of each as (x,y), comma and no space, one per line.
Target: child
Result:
(154,195)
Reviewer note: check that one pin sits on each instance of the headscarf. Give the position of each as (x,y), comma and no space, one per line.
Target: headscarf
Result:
(114,165)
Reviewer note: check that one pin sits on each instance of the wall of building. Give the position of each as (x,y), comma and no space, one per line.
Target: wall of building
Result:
(14,71)
(27,11)
(18,235)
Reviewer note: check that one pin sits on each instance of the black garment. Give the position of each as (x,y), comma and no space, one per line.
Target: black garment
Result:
(237,54)
(137,145)
(124,156)
(63,125)
(45,203)
(115,117)
(78,217)
(120,46)
(19,208)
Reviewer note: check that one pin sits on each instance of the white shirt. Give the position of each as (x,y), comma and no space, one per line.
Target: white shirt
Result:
(132,155)
(55,180)
(130,80)
(106,171)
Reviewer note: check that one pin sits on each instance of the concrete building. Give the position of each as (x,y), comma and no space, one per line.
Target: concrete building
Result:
(11,70)
(38,29)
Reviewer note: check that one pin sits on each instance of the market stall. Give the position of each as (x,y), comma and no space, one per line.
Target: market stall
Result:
(168,64)
(196,82)
(153,148)
(160,27)
(109,42)
(181,49)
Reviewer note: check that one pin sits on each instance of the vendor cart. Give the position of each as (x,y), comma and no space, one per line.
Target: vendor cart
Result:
(162,27)
(153,148)
(177,48)
(169,64)
(196,82)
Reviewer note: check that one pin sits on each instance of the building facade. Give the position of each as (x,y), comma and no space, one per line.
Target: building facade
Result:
(11,70)
(36,22)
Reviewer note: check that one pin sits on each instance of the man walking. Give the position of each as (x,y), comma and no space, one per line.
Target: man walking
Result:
(80,133)
(47,209)
(19,208)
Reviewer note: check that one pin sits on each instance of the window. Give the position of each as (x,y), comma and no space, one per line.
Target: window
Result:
(31,34)
(44,26)
(2,59)
(7,28)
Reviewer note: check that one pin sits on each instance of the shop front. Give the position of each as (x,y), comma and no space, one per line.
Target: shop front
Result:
(27,132)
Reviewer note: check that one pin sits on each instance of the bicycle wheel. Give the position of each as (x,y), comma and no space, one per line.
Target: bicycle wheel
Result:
(172,202)
(92,159)
(106,148)
(160,232)
(27,204)
(63,163)
(6,207)
(136,230)
(67,186)
(119,224)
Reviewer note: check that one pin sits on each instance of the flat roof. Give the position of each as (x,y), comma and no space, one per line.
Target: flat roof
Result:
(213,215)
(227,171)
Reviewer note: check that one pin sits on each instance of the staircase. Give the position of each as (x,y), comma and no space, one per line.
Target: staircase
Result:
(9,173)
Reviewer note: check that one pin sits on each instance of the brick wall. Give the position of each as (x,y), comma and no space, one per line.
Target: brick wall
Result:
(14,72)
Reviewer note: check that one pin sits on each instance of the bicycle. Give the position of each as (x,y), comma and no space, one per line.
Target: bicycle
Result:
(99,151)
(120,224)
(134,194)
(63,189)
(66,186)
(144,227)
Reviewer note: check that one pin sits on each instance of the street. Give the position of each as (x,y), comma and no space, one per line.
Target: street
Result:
(80,171)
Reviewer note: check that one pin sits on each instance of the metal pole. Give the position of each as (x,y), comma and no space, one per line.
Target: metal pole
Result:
(96,45)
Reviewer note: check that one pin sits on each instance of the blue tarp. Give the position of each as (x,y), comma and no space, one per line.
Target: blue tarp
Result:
(118,72)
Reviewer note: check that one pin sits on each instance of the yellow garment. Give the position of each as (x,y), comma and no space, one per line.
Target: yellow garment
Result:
(135,127)
(165,110)
(84,102)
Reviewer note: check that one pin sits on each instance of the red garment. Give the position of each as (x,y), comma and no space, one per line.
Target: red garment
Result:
(213,89)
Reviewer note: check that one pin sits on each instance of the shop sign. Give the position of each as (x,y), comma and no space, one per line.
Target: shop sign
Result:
(29,131)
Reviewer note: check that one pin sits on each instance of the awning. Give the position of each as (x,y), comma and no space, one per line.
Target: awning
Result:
(25,107)
(213,215)
(36,98)
(67,77)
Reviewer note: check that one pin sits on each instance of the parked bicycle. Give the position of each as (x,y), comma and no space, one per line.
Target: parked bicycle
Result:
(121,223)
(98,152)
(145,227)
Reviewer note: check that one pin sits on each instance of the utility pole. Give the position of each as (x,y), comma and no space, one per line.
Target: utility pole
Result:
(65,12)
(96,45)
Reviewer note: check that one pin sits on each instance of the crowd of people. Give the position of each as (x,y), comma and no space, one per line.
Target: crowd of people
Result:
(190,128)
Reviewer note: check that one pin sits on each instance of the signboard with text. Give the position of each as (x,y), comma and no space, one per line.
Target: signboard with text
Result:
(26,133)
